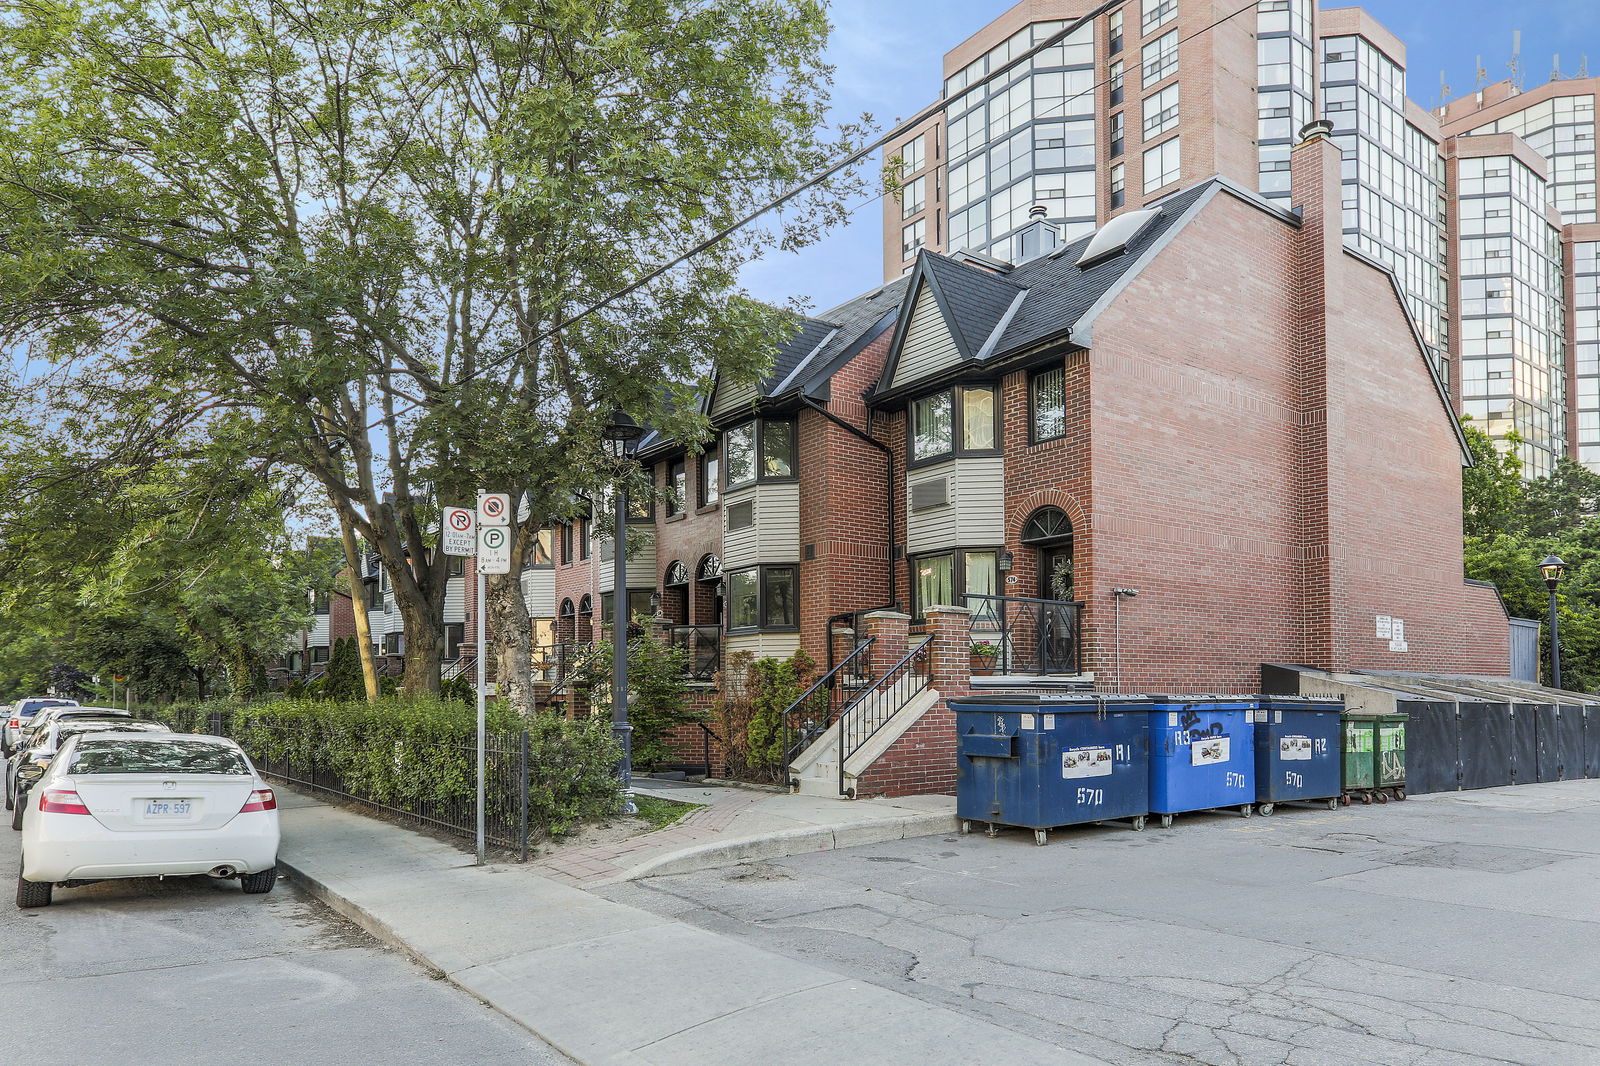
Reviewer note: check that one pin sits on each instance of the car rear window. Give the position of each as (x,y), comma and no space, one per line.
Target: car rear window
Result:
(143,756)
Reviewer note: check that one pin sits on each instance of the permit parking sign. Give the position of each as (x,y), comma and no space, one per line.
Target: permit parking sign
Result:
(460,527)
(494,550)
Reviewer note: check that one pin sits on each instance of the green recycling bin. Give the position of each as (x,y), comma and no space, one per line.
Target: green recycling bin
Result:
(1390,749)
(1358,763)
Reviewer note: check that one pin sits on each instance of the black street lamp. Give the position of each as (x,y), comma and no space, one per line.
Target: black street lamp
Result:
(1553,568)
(621,435)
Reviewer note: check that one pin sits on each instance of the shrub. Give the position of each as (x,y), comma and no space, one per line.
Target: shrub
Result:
(657,677)
(753,695)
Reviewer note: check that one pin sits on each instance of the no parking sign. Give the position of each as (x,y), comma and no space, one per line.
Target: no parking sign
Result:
(460,531)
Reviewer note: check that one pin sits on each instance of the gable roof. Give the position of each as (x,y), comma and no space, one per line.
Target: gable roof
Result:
(993,316)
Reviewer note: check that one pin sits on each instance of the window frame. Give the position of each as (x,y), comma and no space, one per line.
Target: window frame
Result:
(1033,411)
(678,487)
(958,428)
(958,574)
(709,491)
(585,532)
(760,436)
(763,595)
(566,543)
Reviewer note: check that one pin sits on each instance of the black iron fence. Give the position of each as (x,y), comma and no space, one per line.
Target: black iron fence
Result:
(871,709)
(436,787)
(1017,635)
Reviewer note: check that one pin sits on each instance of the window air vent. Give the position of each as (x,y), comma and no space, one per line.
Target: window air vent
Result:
(742,515)
(926,495)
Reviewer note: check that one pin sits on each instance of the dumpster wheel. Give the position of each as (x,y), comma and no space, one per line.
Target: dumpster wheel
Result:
(1247,810)
(966,827)
(1265,810)
(1041,837)
(1138,824)
(1333,802)
(1166,821)
(1381,796)
(1400,793)
(1366,797)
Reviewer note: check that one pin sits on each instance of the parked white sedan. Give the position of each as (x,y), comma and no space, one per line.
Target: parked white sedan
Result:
(115,805)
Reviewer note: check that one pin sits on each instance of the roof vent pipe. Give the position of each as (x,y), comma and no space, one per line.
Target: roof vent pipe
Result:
(1316,130)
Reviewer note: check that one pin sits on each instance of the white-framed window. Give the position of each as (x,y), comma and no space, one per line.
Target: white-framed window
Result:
(1160,58)
(1161,112)
(913,156)
(1157,13)
(913,197)
(1161,165)
(913,237)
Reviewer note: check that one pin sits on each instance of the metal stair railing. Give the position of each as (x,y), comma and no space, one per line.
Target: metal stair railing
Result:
(818,707)
(871,710)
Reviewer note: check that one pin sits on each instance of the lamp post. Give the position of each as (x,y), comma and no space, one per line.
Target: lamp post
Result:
(621,434)
(1553,568)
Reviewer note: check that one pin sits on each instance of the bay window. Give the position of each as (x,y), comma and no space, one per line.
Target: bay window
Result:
(951,577)
(761,450)
(764,597)
(954,421)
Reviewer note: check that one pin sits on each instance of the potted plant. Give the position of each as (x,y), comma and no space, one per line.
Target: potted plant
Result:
(984,655)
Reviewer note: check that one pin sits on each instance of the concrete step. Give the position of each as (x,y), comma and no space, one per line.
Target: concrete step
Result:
(826,787)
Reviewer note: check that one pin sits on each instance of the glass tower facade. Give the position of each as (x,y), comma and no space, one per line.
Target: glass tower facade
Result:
(1022,137)
(1511,319)
(1393,177)
(1286,81)
(1586,348)
(1561,130)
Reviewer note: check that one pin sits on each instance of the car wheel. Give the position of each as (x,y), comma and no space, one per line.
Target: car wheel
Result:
(255,884)
(32,894)
(16,815)
(10,803)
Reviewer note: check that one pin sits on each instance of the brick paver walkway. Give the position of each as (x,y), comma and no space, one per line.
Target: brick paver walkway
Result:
(597,863)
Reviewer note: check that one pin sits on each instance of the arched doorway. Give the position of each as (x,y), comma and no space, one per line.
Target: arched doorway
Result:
(675,594)
(1054,636)
(708,598)
(1048,532)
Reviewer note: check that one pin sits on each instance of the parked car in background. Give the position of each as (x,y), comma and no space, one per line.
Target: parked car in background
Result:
(39,746)
(20,714)
(120,805)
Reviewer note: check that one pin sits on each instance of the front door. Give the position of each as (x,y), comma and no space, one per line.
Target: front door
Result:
(1055,628)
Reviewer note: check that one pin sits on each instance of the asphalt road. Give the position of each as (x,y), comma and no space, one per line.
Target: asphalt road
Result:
(191,970)
(1457,930)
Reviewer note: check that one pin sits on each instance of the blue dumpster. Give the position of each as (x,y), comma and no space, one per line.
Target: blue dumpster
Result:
(1297,751)
(1202,754)
(1039,762)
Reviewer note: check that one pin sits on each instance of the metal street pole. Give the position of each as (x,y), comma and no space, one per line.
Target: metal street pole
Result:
(1555,640)
(619,651)
(481,685)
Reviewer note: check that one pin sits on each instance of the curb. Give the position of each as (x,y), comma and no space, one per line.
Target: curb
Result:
(788,842)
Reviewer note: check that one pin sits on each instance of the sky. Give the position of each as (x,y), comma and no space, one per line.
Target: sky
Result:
(889,54)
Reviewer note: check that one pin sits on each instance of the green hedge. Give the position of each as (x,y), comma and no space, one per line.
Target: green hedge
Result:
(416,753)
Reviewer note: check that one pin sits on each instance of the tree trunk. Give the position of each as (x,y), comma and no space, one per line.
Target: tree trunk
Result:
(511,634)
(356,565)
(424,629)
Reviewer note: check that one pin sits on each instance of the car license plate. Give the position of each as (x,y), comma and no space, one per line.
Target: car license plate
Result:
(173,808)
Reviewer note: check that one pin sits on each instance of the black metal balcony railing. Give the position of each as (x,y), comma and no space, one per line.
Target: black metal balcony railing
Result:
(1017,635)
(704,645)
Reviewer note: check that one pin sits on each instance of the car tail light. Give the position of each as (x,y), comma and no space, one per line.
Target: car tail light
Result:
(261,799)
(56,801)
(14,723)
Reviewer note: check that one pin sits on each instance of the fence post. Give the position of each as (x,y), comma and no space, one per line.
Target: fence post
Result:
(950,661)
(522,803)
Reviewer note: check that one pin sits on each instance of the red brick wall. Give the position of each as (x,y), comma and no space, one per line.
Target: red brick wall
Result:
(687,538)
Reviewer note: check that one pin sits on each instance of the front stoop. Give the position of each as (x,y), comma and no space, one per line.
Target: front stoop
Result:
(817,769)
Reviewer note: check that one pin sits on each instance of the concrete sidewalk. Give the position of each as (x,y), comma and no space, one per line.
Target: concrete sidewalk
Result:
(740,825)
(611,985)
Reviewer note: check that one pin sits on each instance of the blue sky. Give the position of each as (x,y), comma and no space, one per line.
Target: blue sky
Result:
(889,52)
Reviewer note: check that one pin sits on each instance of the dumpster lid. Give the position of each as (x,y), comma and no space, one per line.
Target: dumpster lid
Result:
(1053,701)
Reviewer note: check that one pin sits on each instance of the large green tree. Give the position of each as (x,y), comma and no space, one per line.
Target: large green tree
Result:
(381,230)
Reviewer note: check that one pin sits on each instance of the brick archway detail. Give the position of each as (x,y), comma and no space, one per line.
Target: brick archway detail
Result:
(1047,498)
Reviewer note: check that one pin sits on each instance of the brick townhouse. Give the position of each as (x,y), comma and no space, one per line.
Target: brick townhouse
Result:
(1213,403)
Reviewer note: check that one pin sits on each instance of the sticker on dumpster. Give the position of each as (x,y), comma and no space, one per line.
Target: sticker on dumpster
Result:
(1292,748)
(1208,751)
(1172,717)
(1086,762)
(1049,721)
(1027,722)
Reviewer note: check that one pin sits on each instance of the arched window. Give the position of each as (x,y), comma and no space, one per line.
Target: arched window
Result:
(1047,525)
(586,605)
(566,608)
(710,569)
(677,574)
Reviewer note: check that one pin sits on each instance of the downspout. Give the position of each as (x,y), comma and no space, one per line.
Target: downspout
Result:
(888,456)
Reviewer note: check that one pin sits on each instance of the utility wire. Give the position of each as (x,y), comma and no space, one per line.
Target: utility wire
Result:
(849,160)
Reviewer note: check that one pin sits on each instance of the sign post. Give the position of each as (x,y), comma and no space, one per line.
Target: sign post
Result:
(494,557)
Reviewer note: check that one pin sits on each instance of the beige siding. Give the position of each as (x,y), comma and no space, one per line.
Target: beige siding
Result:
(539,591)
(319,630)
(928,346)
(975,517)
(764,645)
(641,566)
(455,598)
(775,536)
(731,397)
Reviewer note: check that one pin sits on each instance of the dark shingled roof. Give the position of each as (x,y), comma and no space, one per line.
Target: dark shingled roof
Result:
(1058,293)
(977,299)
(860,319)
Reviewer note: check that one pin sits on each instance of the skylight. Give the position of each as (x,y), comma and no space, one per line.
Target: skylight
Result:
(1114,237)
